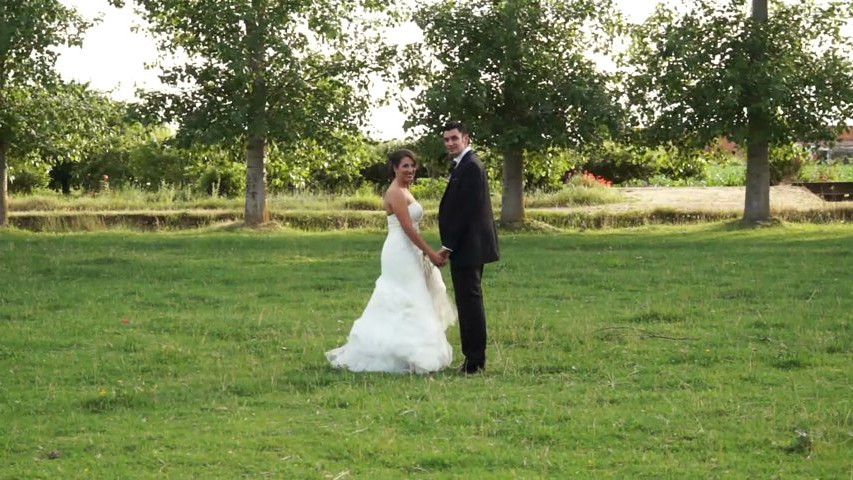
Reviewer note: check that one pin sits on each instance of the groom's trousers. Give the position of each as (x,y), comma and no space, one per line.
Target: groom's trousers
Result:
(472,315)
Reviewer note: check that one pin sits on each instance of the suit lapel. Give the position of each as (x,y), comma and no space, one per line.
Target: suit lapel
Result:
(465,158)
(453,173)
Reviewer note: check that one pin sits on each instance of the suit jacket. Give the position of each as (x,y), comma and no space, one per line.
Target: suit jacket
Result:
(465,220)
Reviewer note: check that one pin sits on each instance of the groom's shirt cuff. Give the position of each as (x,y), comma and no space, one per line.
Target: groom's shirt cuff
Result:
(445,248)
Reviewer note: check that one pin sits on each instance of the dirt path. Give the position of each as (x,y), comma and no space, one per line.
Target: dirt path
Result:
(783,197)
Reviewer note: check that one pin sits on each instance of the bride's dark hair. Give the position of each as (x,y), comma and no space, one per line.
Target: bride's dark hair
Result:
(397,156)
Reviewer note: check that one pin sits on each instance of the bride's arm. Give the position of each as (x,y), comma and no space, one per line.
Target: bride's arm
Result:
(400,207)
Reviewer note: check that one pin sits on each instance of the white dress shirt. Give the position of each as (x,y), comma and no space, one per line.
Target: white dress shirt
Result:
(458,158)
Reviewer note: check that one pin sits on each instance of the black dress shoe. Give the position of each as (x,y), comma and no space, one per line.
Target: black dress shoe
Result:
(471,369)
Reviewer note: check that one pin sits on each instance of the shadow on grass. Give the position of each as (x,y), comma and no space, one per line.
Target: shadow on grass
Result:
(105,402)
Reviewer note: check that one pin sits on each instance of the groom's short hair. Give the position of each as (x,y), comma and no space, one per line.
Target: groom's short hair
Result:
(456,124)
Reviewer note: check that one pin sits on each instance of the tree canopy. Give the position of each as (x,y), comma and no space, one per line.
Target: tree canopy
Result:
(29,29)
(693,73)
(266,71)
(518,73)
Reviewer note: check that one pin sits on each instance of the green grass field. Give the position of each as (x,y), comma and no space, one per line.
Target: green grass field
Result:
(665,352)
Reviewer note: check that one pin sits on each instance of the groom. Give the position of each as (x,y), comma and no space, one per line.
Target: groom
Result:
(469,239)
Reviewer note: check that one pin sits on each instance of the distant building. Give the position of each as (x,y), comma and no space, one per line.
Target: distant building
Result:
(840,151)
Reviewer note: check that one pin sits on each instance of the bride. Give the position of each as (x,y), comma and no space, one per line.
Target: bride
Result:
(402,327)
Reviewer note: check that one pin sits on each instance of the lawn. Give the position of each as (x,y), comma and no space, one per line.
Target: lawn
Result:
(661,352)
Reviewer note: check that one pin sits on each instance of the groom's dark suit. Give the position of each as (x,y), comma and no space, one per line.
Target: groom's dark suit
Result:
(467,227)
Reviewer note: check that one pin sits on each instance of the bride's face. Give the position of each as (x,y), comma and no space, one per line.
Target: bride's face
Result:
(405,171)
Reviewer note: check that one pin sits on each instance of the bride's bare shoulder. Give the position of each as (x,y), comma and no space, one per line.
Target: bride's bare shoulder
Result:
(392,196)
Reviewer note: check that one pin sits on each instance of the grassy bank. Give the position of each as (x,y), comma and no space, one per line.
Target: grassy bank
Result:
(179,200)
(326,220)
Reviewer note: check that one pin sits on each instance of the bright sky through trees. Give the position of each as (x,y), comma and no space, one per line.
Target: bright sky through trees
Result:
(114,57)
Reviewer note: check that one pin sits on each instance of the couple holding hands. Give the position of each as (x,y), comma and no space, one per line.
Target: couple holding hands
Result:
(402,328)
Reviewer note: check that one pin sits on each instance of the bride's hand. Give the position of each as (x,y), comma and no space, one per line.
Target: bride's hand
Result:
(437,259)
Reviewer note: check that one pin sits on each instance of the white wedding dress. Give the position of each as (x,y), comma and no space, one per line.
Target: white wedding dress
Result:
(402,327)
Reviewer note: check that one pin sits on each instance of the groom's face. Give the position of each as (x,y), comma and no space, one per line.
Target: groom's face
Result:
(455,141)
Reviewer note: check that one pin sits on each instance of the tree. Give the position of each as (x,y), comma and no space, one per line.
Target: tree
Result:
(713,70)
(84,125)
(64,125)
(518,73)
(29,29)
(263,71)
(757,197)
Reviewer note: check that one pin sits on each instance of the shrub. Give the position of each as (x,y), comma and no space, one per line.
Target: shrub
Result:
(630,165)
(547,171)
(334,165)
(729,175)
(582,188)
(217,170)
(114,163)
(376,173)
(618,162)
(156,166)
(428,188)
(678,164)
(587,179)
(27,178)
(224,180)
(786,161)
(825,173)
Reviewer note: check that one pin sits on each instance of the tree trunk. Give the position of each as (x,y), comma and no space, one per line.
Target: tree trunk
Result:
(256,141)
(256,184)
(759,10)
(512,197)
(757,199)
(4,185)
